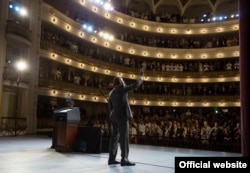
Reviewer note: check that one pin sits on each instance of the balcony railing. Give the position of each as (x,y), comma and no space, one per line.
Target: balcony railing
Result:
(18,29)
(10,74)
(81,89)
(98,63)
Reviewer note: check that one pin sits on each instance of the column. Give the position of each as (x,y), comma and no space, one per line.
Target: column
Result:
(3,17)
(32,94)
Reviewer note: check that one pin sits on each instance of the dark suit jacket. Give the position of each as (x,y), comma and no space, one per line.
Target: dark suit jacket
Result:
(118,101)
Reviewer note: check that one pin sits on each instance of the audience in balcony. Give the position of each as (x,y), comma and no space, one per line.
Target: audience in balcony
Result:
(57,39)
(161,42)
(162,16)
(58,74)
(166,42)
(152,88)
(161,65)
(191,43)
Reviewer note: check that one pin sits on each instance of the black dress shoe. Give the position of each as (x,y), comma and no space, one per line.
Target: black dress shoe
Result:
(113,162)
(127,163)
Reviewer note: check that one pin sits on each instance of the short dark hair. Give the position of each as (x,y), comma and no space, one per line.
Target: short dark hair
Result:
(116,81)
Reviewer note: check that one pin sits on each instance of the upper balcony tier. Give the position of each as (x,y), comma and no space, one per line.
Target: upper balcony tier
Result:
(65,56)
(64,23)
(159,27)
(87,10)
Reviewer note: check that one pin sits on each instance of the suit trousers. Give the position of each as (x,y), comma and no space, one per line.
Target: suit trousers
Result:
(120,133)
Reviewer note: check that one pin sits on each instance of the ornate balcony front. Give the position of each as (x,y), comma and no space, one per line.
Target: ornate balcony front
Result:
(173,99)
(18,29)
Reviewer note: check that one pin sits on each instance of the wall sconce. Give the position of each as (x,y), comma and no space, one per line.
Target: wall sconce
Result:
(94,39)
(94,68)
(236,27)
(106,44)
(145,53)
(81,34)
(68,60)
(132,24)
(189,79)
(203,56)
(118,48)
(222,103)
(82,65)
(219,29)
(159,29)
(159,55)
(132,51)
(219,55)
(107,15)
(53,55)
(68,27)
(54,19)
(203,31)
(95,9)
(119,20)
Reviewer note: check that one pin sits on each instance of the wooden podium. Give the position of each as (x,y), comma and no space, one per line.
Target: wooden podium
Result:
(66,125)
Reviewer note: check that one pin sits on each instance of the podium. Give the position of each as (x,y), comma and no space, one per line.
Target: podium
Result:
(66,125)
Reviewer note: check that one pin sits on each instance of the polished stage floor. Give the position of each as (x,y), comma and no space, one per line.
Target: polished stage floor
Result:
(29,154)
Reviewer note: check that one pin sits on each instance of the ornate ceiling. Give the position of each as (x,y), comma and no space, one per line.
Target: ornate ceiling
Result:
(189,8)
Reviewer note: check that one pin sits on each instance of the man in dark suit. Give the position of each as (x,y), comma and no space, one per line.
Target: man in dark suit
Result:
(120,113)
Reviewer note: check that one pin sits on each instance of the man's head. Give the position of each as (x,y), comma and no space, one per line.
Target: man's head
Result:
(118,81)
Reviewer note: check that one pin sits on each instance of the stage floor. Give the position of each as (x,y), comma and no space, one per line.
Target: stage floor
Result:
(29,154)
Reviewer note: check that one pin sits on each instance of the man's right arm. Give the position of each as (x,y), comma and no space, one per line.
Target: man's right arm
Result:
(140,80)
